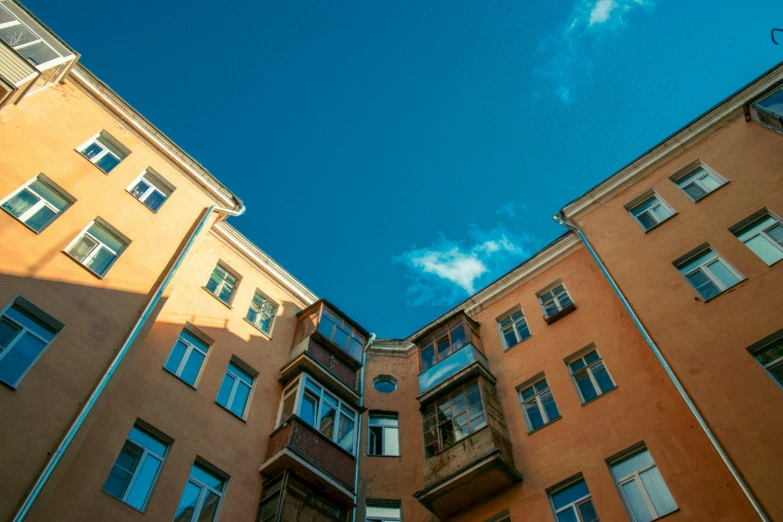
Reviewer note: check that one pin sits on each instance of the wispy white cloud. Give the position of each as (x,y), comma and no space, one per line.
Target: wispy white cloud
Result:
(510,208)
(570,50)
(447,270)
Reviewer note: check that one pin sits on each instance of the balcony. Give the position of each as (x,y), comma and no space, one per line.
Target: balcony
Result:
(285,498)
(464,364)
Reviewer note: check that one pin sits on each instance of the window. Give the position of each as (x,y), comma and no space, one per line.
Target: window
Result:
(187,357)
(384,434)
(136,469)
(150,189)
(763,235)
(452,418)
(770,109)
(298,502)
(222,283)
(235,391)
(384,383)
(513,328)
(25,332)
(383,513)
(642,488)
(572,503)
(698,182)
(650,211)
(590,376)
(446,340)
(555,300)
(39,202)
(98,247)
(201,499)
(104,151)
(262,312)
(320,409)
(538,404)
(770,356)
(708,273)
(341,333)
(24,40)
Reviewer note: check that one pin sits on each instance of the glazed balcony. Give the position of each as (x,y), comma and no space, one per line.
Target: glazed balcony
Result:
(287,498)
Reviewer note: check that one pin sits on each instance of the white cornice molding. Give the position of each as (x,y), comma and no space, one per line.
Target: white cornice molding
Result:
(259,259)
(121,110)
(688,136)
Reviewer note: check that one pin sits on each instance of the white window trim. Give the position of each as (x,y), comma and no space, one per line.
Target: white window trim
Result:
(708,273)
(382,518)
(145,175)
(32,310)
(275,309)
(677,179)
(536,398)
(383,434)
(106,141)
(643,199)
(513,327)
(99,244)
(223,283)
(574,506)
(589,369)
(636,476)
(762,233)
(203,493)
(186,356)
(237,383)
(146,453)
(555,298)
(42,201)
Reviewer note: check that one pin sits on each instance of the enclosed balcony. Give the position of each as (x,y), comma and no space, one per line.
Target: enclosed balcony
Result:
(328,344)
(467,453)
(286,499)
(31,56)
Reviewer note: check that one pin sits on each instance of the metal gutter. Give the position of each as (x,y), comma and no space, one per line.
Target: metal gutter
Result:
(360,426)
(43,478)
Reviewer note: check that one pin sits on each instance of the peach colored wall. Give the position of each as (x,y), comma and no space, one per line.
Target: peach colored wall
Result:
(40,135)
(706,342)
(643,407)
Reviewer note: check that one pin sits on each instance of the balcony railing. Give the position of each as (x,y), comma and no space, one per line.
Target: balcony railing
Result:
(451,366)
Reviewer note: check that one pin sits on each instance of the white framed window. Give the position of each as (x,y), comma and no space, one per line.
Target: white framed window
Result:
(708,273)
(187,357)
(590,375)
(104,151)
(203,495)
(513,327)
(261,313)
(572,502)
(25,332)
(137,467)
(554,300)
(770,357)
(650,211)
(322,410)
(25,39)
(642,487)
(538,403)
(151,189)
(699,181)
(234,393)
(769,109)
(763,235)
(383,434)
(37,203)
(222,283)
(383,512)
(98,246)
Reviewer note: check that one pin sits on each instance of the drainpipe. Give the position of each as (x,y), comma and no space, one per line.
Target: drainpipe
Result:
(359,440)
(43,478)
(561,219)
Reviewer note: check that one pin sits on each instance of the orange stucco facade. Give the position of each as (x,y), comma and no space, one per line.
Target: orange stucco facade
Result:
(507,469)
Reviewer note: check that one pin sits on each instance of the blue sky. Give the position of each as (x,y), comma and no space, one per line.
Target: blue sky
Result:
(396,156)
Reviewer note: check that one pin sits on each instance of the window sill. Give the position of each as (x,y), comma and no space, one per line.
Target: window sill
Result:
(125,503)
(269,337)
(610,390)
(667,514)
(552,421)
(28,227)
(11,386)
(559,315)
(93,164)
(219,300)
(144,204)
(90,270)
(646,230)
(707,194)
(727,291)
(384,456)
(226,409)
(517,344)
(180,379)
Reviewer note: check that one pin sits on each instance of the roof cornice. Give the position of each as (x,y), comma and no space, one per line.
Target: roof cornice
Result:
(119,108)
(695,131)
(259,259)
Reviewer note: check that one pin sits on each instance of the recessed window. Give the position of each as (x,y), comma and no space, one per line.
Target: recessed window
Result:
(384,434)
(513,328)
(384,383)
(641,486)
(262,312)
(235,391)
(137,468)
(572,503)
(708,273)
(698,182)
(769,353)
(556,301)
(383,512)
(763,235)
(187,357)
(202,497)
(453,418)
(769,109)
(650,211)
(151,189)
(38,202)
(590,376)
(104,151)
(98,246)
(222,283)
(538,404)
(25,332)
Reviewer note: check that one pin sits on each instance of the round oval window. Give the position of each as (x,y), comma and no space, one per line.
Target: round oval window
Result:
(384,384)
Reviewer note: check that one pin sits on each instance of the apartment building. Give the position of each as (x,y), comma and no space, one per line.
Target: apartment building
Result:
(155,364)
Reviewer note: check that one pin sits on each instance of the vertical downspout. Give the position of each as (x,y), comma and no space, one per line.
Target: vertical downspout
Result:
(43,478)
(359,439)
(561,219)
